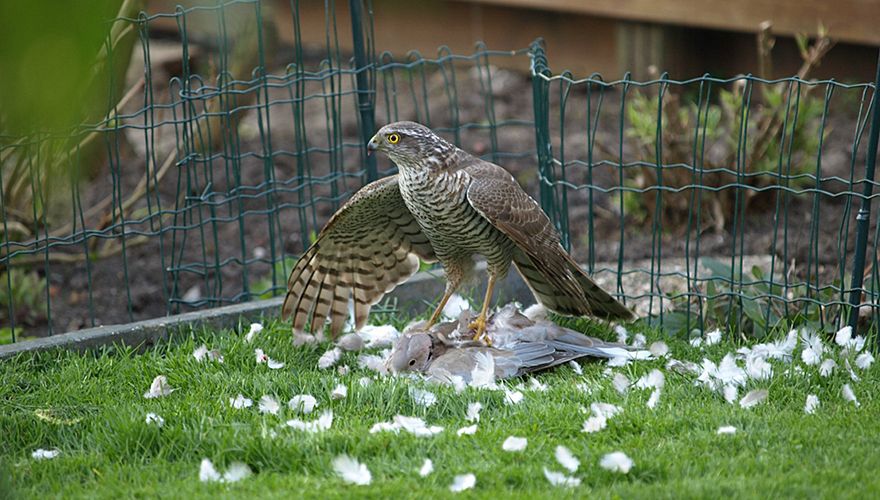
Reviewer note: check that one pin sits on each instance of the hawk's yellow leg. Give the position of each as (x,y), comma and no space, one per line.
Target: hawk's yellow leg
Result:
(440,306)
(479,324)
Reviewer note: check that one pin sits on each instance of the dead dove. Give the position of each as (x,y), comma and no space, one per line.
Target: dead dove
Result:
(518,346)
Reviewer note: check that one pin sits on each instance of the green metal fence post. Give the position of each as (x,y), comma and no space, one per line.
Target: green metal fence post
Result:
(541,105)
(364,92)
(863,218)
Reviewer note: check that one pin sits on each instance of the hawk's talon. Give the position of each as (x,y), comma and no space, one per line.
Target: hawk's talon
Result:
(479,328)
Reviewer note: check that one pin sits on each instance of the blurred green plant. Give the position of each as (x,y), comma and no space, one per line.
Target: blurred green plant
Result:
(783,130)
(26,297)
(64,70)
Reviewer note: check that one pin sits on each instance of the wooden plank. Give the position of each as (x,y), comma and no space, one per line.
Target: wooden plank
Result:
(847,20)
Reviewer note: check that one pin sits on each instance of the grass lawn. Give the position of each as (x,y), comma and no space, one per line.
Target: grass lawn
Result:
(92,408)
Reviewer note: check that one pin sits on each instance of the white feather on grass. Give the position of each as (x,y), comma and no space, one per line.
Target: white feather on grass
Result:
(617,462)
(753,398)
(207,472)
(620,382)
(154,419)
(329,358)
(239,402)
(578,370)
(849,395)
(514,443)
(236,472)
(322,423)
(463,482)
(512,397)
(159,388)
(303,403)
(713,337)
(864,360)
(812,404)
(566,458)
(595,424)
(41,454)
(427,468)
(467,431)
(827,367)
(422,397)
(268,404)
(653,380)
(560,479)
(726,429)
(473,412)
(659,349)
(339,392)
(654,399)
(351,471)
(255,328)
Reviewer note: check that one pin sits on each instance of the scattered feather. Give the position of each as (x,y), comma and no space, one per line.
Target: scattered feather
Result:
(578,370)
(618,361)
(473,412)
(159,388)
(240,402)
(622,334)
(843,336)
(812,404)
(322,423)
(849,395)
(351,471)
(659,349)
(236,472)
(41,454)
(512,397)
(416,426)
(653,380)
(696,342)
(606,410)
(535,312)
(350,342)
(852,373)
(343,370)
(365,381)
(513,443)
(463,482)
(483,374)
(595,424)
(303,403)
(536,385)
(683,367)
(427,468)
(654,399)
(329,358)
(200,353)
(469,430)
(372,362)
(864,360)
(253,331)
(263,358)
(207,472)
(152,418)
(827,367)
(268,404)
(753,398)
(758,368)
(339,392)
(726,429)
(617,462)
(379,337)
(560,479)
(729,373)
(422,397)
(713,337)
(620,383)
(455,306)
(730,393)
(639,341)
(566,458)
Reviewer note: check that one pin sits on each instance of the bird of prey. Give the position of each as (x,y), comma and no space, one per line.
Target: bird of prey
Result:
(518,346)
(444,205)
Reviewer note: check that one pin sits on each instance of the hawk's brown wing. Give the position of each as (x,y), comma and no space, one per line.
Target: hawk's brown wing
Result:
(368,247)
(554,277)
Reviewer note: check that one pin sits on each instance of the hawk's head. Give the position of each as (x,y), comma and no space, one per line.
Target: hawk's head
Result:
(409,144)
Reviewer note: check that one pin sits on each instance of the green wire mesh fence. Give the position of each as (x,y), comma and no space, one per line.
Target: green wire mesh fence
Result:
(702,202)
(223,154)
(723,202)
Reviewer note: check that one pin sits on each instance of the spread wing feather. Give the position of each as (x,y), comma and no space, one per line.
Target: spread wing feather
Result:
(553,276)
(368,247)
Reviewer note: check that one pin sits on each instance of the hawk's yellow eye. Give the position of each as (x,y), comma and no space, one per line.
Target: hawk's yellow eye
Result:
(393,138)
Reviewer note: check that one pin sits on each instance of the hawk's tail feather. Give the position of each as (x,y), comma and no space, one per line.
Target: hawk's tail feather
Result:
(565,288)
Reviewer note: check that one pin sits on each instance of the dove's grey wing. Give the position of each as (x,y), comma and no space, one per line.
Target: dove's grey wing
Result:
(368,247)
(570,341)
(460,362)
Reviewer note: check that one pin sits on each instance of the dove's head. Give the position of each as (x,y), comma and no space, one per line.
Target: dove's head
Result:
(411,353)
(410,144)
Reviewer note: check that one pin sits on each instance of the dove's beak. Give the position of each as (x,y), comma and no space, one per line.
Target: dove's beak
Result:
(373,145)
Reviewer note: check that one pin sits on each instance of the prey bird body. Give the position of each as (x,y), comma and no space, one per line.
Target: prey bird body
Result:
(446,205)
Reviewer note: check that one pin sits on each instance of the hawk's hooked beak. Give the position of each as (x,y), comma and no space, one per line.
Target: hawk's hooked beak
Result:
(373,145)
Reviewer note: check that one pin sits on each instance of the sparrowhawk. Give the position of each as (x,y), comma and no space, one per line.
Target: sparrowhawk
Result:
(444,205)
